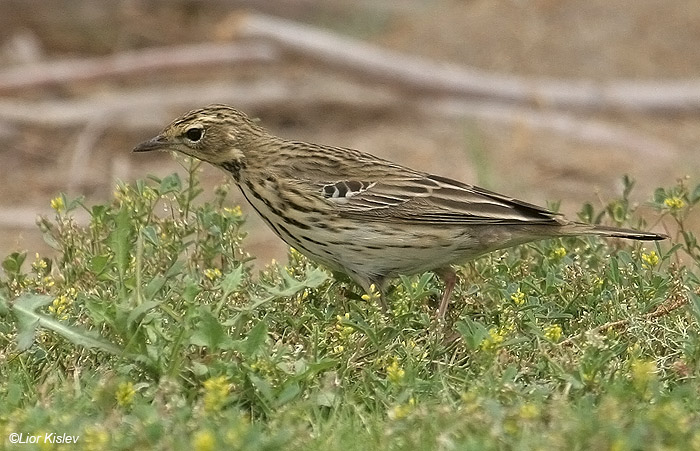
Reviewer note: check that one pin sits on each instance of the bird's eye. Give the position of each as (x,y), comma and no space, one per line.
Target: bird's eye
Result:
(194,134)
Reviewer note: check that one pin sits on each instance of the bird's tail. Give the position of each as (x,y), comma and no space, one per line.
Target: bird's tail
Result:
(617,232)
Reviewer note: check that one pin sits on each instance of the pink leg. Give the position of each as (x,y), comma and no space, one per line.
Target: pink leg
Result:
(448,275)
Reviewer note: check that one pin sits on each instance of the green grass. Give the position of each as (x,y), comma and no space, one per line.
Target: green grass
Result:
(151,330)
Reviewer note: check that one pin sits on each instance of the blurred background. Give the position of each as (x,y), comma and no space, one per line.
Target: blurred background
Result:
(545,100)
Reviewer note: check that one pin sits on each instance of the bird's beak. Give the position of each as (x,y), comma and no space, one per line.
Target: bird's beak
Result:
(157,143)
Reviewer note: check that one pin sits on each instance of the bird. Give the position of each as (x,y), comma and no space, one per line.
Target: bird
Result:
(359,214)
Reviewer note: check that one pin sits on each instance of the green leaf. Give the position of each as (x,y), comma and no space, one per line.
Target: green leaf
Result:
(13,262)
(210,332)
(695,195)
(171,183)
(98,264)
(292,286)
(473,332)
(288,393)
(154,286)
(660,195)
(120,241)
(694,305)
(150,234)
(29,320)
(263,387)
(255,339)
(4,304)
(232,280)
(139,311)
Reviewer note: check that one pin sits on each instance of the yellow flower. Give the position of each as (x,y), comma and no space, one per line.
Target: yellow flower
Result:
(236,435)
(125,394)
(235,211)
(39,264)
(643,374)
(518,297)
(345,331)
(96,438)
(495,338)
(216,392)
(529,411)
(212,273)
(204,441)
(402,410)
(58,204)
(553,332)
(650,259)
(59,307)
(373,294)
(674,203)
(557,253)
(149,193)
(394,373)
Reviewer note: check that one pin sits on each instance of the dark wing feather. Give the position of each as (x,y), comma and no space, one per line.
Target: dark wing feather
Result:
(374,188)
(434,199)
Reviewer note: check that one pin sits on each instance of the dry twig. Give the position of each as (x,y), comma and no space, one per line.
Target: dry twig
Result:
(131,63)
(434,77)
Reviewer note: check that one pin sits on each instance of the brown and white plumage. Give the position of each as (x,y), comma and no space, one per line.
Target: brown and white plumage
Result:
(360,214)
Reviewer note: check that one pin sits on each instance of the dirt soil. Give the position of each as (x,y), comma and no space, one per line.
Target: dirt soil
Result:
(595,40)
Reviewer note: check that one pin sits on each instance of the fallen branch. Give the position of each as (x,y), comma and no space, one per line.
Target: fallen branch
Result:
(153,106)
(580,129)
(429,76)
(131,63)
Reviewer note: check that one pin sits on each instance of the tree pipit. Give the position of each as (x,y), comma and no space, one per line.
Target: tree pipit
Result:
(359,214)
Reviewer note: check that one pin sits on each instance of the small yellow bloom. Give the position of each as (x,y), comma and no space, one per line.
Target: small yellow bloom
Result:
(394,372)
(204,441)
(558,253)
(553,332)
(235,211)
(125,394)
(345,331)
(236,435)
(373,294)
(216,392)
(529,411)
(643,373)
(212,273)
(620,444)
(96,438)
(58,204)
(674,203)
(403,410)
(149,193)
(495,338)
(518,297)
(39,264)
(650,259)
(59,307)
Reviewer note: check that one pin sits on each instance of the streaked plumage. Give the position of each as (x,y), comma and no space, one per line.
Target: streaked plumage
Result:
(360,214)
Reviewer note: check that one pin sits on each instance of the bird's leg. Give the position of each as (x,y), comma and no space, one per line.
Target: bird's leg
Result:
(449,276)
(375,290)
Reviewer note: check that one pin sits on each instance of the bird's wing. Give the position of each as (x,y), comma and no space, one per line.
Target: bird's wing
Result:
(424,198)
(371,188)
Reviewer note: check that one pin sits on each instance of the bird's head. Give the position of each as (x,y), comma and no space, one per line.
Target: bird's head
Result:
(217,134)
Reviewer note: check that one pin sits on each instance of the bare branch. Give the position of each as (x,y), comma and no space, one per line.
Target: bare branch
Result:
(151,108)
(130,63)
(429,76)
